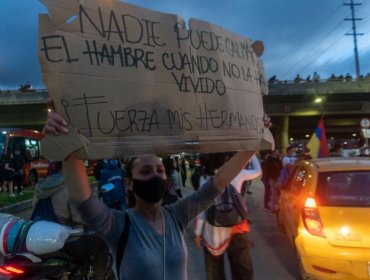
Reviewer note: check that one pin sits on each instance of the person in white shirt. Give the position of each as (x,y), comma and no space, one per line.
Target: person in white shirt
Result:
(290,158)
(233,240)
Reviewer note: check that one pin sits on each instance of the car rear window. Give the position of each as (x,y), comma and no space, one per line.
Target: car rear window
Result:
(344,188)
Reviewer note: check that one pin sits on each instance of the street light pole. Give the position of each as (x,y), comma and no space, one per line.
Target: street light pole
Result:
(354,34)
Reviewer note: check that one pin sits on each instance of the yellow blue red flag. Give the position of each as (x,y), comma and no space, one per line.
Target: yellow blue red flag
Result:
(317,144)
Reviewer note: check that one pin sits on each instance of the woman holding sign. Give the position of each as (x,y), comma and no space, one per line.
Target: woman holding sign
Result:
(148,239)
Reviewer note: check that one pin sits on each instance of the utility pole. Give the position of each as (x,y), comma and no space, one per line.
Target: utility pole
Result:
(354,34)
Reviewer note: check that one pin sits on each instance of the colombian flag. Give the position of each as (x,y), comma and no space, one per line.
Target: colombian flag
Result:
(318,145)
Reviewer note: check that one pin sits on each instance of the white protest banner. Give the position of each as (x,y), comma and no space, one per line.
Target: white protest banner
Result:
(136,81)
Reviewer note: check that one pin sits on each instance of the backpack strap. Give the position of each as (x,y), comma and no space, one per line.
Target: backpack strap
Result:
(122,243)
(240,203)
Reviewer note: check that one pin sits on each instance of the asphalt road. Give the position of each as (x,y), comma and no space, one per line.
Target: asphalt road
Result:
(272,256)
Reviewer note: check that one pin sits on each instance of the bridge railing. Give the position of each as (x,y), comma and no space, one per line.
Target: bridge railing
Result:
(320,87)
(22,91)
(16,97)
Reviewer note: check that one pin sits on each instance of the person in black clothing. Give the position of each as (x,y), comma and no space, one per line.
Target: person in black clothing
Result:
(191,165)
(8,177)
(177,164)
(363,152)
(183,171)
(18,163)
(297,79)
(98,168)
(271,167)
(337,150)
(2,164)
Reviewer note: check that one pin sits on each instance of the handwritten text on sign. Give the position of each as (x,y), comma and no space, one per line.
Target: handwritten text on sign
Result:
(118,70)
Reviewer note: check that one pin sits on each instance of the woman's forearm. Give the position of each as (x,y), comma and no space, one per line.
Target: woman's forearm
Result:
(230,169)
(77,182)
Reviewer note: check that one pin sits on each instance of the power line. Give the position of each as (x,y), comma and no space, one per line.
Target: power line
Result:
(327,36)
(317,58)
(362,24)
(314,49)
(301,44)
(328,48)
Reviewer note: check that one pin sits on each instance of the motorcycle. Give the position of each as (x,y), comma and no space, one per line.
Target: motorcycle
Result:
(62,264)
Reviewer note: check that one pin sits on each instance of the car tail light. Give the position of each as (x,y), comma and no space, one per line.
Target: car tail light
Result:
(10,270)
(311,217)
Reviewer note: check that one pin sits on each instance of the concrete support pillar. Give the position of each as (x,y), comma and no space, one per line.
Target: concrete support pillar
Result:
(285,134)
(281,129)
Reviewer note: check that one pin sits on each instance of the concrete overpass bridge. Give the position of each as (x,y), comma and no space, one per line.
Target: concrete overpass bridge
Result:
(295,114)
(23,109)
(291,106)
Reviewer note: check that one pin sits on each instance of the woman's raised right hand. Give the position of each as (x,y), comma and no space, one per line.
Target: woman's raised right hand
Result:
(55,123)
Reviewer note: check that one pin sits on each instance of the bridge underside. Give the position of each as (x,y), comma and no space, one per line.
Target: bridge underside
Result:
(23,109)
(342,113)
(292,109)
(31,116)
(338,127)
(296,115)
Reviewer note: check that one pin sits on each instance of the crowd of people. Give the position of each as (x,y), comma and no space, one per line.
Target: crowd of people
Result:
(147,192)
(276,169)
(315,78)
(141,212)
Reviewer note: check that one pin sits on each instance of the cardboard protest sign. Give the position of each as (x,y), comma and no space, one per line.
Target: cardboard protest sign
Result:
(137,81)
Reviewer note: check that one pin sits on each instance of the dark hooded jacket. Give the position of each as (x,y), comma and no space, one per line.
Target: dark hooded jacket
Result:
(54,186)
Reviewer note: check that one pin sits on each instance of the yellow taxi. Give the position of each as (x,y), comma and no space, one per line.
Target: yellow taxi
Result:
(324,209)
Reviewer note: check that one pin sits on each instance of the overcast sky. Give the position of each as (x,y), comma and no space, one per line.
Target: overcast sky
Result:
(300,36)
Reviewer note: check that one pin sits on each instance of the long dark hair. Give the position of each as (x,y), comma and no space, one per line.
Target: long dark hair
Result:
(129,167)
(131,201)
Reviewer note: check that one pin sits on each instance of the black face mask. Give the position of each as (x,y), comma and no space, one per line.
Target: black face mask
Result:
(151,190)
